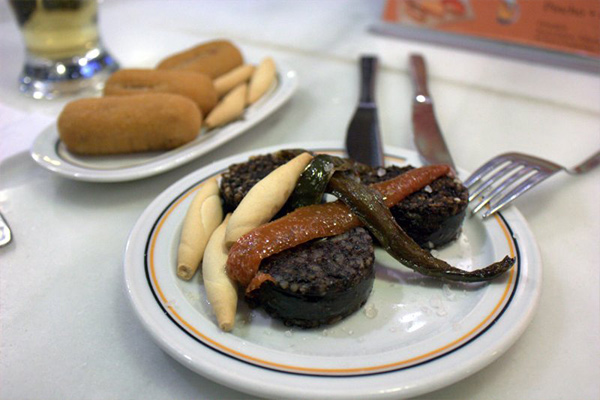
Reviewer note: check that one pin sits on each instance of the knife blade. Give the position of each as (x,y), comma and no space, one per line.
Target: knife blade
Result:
(427,134)
(363,139)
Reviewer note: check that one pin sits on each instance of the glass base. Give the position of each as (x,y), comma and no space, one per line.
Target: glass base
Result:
(49,79)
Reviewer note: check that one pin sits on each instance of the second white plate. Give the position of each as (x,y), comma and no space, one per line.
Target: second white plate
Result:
(50,153)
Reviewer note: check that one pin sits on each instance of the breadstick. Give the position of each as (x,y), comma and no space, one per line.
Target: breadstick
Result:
(231,107)
(224,83)
(220,289)
(202,218)
(265,198)
(261,80)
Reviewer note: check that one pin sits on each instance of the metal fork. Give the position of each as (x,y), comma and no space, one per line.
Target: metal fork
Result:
(507,176)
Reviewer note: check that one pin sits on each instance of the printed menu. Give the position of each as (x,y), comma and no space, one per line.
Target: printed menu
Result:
(566,26)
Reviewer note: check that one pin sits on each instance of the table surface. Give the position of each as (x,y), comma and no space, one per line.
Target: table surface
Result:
(67,329)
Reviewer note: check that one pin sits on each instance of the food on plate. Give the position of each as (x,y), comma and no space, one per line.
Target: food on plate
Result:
(239,178)
(266,198)
(261,80)
(372,211)
(213,58)
(234,102)
(258,207)
(433,216)
(230,108)
(221,291)
(308,260)
(128,124)
(197,87)
(224,83)
(149,109)
(202,218)
(359,207)
(321,282)
(309,223)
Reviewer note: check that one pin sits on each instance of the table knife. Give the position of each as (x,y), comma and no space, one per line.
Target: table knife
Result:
(363,140)
(427,134)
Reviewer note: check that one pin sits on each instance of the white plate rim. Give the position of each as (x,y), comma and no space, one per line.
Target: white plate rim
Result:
(489,345)
(46,153)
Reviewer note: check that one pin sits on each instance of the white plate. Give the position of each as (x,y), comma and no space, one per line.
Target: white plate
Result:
(414,335)
(50,153)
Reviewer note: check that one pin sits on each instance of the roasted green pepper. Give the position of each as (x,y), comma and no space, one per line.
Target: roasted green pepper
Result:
(369,207)
(311,185)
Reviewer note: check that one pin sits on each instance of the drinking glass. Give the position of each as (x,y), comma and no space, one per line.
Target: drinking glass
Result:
(64,53)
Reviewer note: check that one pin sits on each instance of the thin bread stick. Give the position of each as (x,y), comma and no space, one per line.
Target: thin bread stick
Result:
(261,80)
(230,108)
(265,198)
(202,218)
(224,83)
(220,289)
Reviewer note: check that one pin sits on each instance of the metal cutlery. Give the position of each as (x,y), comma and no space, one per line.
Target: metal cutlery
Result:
(363,140)
(427,134)
(505,177)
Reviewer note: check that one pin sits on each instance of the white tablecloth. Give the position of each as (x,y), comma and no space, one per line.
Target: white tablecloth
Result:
(67,329)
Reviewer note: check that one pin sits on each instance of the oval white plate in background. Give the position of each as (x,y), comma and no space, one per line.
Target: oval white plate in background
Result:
(49,152)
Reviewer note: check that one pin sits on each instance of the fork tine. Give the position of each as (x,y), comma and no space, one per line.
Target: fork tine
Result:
(484,169)
(516,176)
(501,187)
(532,181)
(496,177)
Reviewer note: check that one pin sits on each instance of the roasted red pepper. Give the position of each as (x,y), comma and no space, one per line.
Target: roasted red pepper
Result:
(312,222)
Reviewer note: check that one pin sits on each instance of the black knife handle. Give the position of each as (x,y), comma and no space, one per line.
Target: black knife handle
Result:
(418,73)
(368,71)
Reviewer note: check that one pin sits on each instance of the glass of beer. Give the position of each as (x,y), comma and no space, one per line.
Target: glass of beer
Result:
(64,54)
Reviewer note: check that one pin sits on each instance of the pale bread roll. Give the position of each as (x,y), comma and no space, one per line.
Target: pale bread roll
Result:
(261,80)
(195,86)
(212,58)
(230,108)
(128,124)
(220,289)
(233,78)
(265,198)
(202,218)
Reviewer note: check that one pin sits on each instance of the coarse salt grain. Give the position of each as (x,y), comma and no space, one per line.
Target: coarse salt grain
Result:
(370,311)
